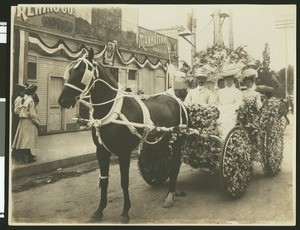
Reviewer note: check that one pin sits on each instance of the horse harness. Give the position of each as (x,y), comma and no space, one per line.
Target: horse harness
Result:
(115,115)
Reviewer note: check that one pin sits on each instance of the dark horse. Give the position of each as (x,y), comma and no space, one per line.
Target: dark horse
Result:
(116,138)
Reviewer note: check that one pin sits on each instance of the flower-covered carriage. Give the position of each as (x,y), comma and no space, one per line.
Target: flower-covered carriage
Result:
(257,136)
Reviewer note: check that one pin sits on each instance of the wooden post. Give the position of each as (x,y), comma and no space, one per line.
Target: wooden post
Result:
(193,32)
(217,29)
(231,43)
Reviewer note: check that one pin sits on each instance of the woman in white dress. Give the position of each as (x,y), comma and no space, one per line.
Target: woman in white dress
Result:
(228,100)
(248,78)
(27,132)
(217,83)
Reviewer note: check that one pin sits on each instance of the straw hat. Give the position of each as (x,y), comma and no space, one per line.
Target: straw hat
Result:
(229,70)
(249,73)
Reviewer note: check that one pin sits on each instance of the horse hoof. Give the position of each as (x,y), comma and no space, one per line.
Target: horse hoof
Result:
(168,203)
(124,219)
(97,217)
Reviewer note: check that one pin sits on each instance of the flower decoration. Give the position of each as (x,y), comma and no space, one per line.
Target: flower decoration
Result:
(273,127)
(237,167)
(216,56)
(202,151)
(248,117)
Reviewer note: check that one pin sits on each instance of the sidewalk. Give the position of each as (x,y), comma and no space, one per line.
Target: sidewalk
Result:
(58,151)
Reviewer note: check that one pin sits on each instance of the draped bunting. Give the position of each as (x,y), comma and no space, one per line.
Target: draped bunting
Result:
(61,48)
(134,59)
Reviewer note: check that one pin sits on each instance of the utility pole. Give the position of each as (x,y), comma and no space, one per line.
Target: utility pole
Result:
(191,24)
(285,24)
(193,32)
(231,43)
(218,35)
(217,29)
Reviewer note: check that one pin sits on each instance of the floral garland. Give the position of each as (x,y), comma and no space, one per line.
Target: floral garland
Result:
(237,165)
(248,114)
(202,151)
(270,122)
(248,117)
(269,114)
(214,57)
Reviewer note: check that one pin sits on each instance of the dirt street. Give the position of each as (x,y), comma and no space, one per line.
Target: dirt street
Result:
(71,197)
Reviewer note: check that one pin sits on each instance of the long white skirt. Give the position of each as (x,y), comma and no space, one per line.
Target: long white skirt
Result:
(26,135)
(227,120)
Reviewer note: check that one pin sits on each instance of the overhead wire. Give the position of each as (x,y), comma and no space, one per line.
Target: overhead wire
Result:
(205,27)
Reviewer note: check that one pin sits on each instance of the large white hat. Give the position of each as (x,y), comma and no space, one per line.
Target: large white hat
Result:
(200,72)
(229,70)
(249,73)
(213,78)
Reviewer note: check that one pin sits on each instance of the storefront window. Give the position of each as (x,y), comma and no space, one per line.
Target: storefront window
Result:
(132,75)
(32,68)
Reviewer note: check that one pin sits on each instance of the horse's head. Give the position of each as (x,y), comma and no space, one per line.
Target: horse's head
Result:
(78,77)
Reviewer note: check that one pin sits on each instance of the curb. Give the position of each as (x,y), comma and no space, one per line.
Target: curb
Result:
(52,165)
(29,170)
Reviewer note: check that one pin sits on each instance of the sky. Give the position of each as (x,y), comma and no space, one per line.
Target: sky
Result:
(253,26)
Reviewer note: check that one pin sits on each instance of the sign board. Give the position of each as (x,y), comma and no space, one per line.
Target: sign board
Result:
(59,19)
(156,43)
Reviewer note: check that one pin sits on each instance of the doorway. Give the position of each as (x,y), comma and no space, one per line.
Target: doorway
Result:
(55,112)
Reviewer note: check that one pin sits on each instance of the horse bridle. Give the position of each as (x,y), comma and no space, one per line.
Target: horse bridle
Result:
(86,80)
(88,75)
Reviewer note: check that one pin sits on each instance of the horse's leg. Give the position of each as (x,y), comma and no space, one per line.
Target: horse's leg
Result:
(124,163)
(175,163)
(103,159)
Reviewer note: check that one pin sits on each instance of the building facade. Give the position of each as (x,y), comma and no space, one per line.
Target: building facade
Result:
(47,39)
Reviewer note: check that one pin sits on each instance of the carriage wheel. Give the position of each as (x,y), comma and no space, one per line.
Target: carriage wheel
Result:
(153,163)
(236,163)
(272,153)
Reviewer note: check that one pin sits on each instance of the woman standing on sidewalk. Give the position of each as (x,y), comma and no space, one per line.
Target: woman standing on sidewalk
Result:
(27,132)
(18,101)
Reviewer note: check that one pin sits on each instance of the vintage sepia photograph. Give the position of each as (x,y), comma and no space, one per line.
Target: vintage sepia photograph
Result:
(152,115)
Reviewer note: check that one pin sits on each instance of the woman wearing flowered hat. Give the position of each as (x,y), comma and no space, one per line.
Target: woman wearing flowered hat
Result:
(248,78)
(27,133)
(200,94)
(229,99)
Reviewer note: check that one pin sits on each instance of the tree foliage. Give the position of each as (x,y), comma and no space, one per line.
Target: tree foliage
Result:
(265,75)
(266,59)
